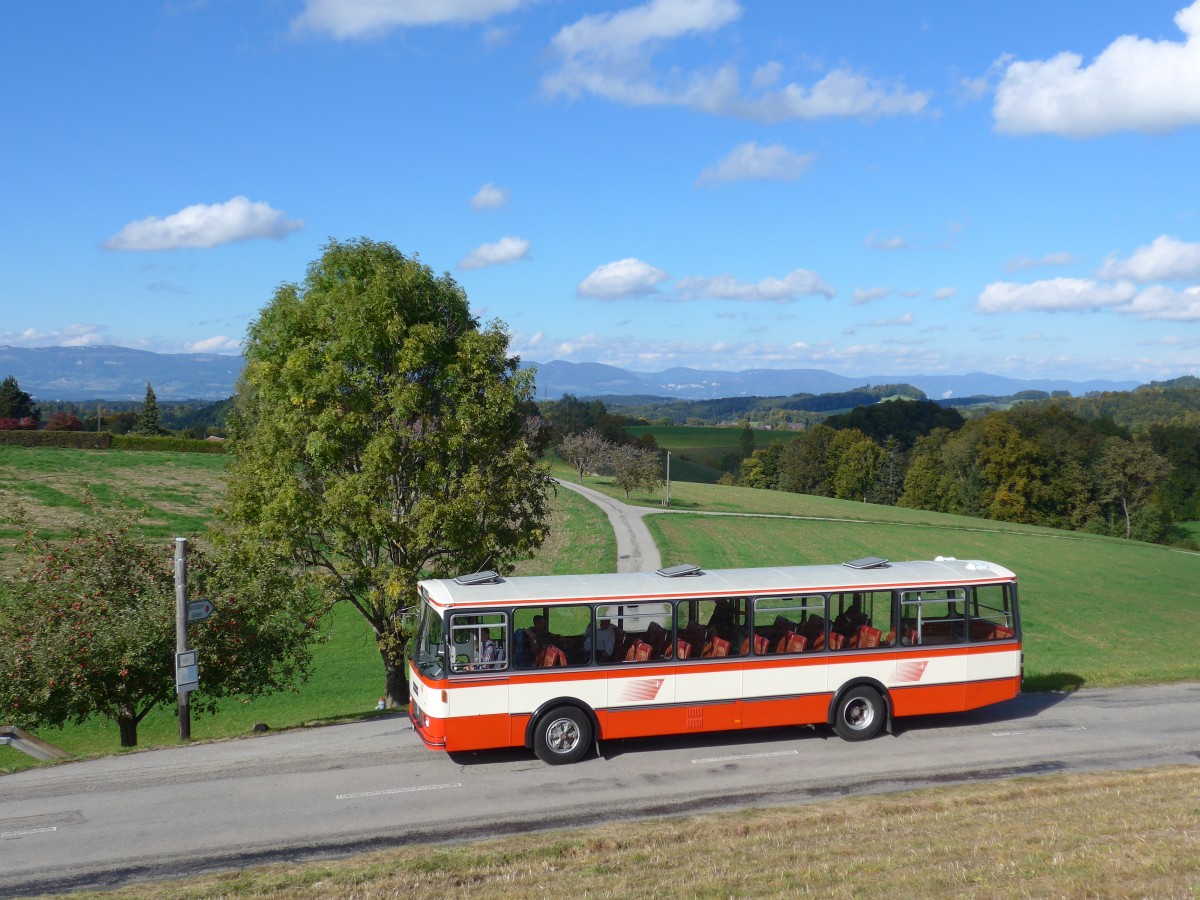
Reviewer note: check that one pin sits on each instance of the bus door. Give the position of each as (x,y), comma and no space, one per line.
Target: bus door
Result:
(640,685)
(786,680)
(711,641)
(933,677)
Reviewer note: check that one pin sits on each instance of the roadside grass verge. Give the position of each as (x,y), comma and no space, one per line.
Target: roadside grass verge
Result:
(1123,834)
(1096,611)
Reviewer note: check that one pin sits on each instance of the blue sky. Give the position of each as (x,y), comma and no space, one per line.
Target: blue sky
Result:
(870,188)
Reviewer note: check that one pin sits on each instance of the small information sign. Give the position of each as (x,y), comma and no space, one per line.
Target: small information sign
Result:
(199,610)
(187,671)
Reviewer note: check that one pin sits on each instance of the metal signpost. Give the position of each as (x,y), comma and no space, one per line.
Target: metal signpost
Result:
(183,686)
(187,666)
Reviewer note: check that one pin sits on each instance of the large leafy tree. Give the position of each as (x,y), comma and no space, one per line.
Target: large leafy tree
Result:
(1127,473)
(382,436)
(87,626)
(584,451)
(635,467)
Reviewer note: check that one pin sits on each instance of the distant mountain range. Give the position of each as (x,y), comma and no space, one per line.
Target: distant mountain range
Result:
(120,373)
(598,380)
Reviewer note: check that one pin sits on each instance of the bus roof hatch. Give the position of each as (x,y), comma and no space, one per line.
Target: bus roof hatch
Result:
(680,570)
(867,562)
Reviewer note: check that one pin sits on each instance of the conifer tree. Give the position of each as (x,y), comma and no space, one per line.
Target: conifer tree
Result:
(147,420)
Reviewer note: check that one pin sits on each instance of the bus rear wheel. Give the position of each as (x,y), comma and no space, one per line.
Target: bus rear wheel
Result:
(860,714)
(562,736)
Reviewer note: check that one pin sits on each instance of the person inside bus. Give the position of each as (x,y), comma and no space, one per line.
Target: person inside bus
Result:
(723,618)
(848,622)
(602,640)
(491,656)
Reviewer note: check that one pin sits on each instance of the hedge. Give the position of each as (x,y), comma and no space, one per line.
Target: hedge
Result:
(79,440)
(104,440)
(169,444)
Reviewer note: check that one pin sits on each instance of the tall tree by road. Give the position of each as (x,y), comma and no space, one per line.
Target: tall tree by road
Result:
(381,436)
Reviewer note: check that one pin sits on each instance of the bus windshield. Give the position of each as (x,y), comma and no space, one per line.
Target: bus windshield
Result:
(428,649)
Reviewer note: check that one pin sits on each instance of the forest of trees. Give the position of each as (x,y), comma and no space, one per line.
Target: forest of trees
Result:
(1036,463)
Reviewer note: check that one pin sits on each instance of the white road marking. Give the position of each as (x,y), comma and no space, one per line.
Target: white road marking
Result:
(1015,733)
(407,790)
(13,834)
(713,759)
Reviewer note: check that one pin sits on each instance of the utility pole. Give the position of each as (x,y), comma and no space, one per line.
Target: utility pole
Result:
(667,499)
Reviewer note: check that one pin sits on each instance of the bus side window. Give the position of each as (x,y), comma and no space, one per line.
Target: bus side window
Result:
(990,611)
(935,616)
(551,636)
(785,623)
(644,632)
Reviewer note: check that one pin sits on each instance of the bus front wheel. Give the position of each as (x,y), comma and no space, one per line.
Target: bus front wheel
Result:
(860,714)
(562,736)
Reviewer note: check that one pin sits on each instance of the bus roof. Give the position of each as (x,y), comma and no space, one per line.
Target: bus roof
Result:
(632,586)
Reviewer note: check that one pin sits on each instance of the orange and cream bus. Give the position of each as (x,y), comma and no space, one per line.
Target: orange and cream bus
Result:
(558,663)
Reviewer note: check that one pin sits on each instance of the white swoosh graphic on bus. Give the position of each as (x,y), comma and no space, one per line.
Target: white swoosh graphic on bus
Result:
(646,689)
(911,671)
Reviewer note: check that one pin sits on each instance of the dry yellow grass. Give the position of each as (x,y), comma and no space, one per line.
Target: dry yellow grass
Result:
(1124,834)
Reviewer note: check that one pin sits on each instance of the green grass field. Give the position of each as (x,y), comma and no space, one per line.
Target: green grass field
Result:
(1096,611)
(176,491)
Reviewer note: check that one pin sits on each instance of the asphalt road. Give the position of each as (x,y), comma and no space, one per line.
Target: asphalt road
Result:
(636,550)
(325,792)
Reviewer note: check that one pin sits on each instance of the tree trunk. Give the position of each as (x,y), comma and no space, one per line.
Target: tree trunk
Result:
(1128,523)
(128,724)
(395,682)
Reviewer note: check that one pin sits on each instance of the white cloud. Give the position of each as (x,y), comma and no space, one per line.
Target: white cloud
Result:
(944,293)
(204,225)
(1166,305)
(343,19)
(506,250)
(866,295)
(1054,295)
(750,161)
(796,284)
(1165,259)
(1059,258)
(610,55)
(621,279)
(876,241)
(1134,84)
(77,335)
(218,344)
(490,197)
